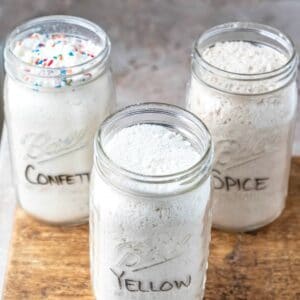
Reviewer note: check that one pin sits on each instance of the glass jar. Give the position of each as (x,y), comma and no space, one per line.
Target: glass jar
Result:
(251,118)
(52,115)
(149,235)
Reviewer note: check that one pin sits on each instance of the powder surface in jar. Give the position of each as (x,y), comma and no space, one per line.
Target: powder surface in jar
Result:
(51,60)
(151,150)
(244,57)
(55,50)
(251,123)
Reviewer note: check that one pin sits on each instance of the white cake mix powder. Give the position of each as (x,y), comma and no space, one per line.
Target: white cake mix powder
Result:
(244,58)
(149,247)
(252,133)
(127,149)
(52,122)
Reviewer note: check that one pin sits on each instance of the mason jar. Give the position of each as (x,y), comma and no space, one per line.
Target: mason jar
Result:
(149,235)
(52,113)
(251,117)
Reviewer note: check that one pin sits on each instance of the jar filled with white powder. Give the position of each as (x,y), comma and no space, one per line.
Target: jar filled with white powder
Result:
(150,208)
(243,87)
(58,89)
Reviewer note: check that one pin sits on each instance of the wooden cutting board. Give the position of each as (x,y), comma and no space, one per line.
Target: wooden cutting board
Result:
(53,263)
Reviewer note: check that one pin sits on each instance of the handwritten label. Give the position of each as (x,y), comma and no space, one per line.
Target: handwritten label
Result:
(140,285)
(141,257)
(228,183)
(34,177)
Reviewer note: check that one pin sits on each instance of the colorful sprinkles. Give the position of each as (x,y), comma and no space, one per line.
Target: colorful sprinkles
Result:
(58,51)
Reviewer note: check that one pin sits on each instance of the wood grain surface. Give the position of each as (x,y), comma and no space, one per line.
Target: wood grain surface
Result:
(52,263)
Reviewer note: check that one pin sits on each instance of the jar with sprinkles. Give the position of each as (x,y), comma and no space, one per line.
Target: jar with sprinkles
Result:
(58,89)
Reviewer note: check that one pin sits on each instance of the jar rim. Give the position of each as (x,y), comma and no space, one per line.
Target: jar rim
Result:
(152,107)
(262,29)
(28,26)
